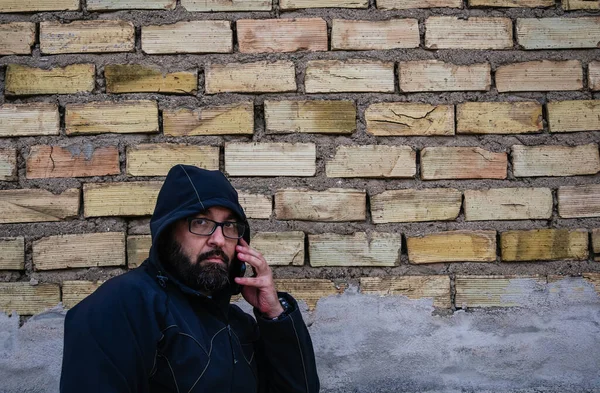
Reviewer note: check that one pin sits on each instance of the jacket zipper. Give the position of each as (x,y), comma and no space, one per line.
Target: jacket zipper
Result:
(233,357)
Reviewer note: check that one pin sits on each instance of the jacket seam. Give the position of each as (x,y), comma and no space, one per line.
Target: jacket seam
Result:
(300,349)
(209,354)
(172,372)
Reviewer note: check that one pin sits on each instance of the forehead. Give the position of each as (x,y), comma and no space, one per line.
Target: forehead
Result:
(217,212)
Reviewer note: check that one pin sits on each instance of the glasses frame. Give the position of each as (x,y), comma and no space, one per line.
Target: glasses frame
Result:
(217,224)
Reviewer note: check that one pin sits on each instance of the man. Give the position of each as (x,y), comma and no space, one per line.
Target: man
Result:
(167,326)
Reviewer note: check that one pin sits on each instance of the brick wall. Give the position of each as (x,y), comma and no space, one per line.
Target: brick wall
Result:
(431,152)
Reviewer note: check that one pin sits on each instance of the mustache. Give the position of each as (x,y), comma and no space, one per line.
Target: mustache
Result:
(213,253)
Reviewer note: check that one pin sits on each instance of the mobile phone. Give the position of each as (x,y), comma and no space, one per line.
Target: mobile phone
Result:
(237,269)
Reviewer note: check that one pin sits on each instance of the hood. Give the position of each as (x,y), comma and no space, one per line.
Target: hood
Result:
(189,190)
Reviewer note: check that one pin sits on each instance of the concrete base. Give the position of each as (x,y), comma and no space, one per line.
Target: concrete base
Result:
(370,344)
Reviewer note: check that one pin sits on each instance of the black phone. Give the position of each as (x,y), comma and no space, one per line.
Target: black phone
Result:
(237,269)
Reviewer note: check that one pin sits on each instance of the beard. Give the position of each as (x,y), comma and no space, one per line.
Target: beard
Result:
(205,277)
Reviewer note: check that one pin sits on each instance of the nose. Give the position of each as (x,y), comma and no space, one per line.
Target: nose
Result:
(217,239)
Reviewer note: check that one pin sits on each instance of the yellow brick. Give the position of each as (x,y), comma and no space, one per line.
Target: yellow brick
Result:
(408,4)
(38,5)
(135,78)
(8,164)
(226,5)
(281,35)
(46,161)
(318,116)
(544,244)
(580,5)
(280,248)
(511,3)
(75,291)
(270,159)
(155,159)
(499,117)
(435,75)
(353,75)
(453,246)
(594,74)
(258,77)
(120,199)
(569,116)
(256,205)
(138,249)
(81,250)
(450,32)
(24,80)
(462,163)
(373,161)
(12,253)
(16,38)
(579,201)
(309,290)
(90,36)
(109,5)
(496,291)
(543,75)
(334,204)
(413,287)
(427,204)
(36,205)
(374,35)
(596,243)
(113,117)
(552,160)
(508,204)
(406,119)
(298,4)
(26,299)
(359,249)
(558,33)
(237,118)
(29,119)
(200,36)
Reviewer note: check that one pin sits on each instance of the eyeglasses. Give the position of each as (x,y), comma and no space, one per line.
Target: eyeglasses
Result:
(206,227)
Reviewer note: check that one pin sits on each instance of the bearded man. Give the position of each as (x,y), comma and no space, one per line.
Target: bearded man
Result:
(168,325)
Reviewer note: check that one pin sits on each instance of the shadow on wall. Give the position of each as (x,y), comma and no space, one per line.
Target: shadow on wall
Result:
(369,344)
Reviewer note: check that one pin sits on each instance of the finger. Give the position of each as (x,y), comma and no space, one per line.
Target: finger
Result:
(256,282)
(249,250)
(259,264)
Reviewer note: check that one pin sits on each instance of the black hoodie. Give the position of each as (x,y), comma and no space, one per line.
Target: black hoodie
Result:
(145,331)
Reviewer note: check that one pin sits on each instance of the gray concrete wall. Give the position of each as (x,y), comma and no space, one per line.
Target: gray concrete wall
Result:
(370,344)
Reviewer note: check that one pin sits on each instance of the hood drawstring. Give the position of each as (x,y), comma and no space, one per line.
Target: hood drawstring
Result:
(162,280)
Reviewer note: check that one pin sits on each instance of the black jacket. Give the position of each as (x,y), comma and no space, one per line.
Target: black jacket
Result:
(144,331)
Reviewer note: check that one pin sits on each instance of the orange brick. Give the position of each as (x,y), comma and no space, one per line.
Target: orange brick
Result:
(37,205)
(110,5)
(594,75)
(226,5)
(258,77)
(29,119)
(90,36)
(572,116)
(543,75)
(8,164)
(135,78)
(201,36)
(298,4)
(38,5)
(114,117)
(353,75)
(552,160)
(450,32)
(558,33)
(236,118)
(16,38)
(115,199)
(335,204)
(462,163)
(373,161)
(314,116)
(72,161)
(435,75)
(407,118)
(499,117)
(453,246)
(408,4)
(25,80)
(579,201)
(374,35)
(281,35)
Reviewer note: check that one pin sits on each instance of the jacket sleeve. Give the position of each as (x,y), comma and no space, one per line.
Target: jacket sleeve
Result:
(285,355)
(109,343)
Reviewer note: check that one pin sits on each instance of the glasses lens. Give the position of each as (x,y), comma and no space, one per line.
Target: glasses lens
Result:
(201,226)
(233,230)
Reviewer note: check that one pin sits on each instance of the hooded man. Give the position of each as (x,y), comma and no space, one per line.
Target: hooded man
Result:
(167,326)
